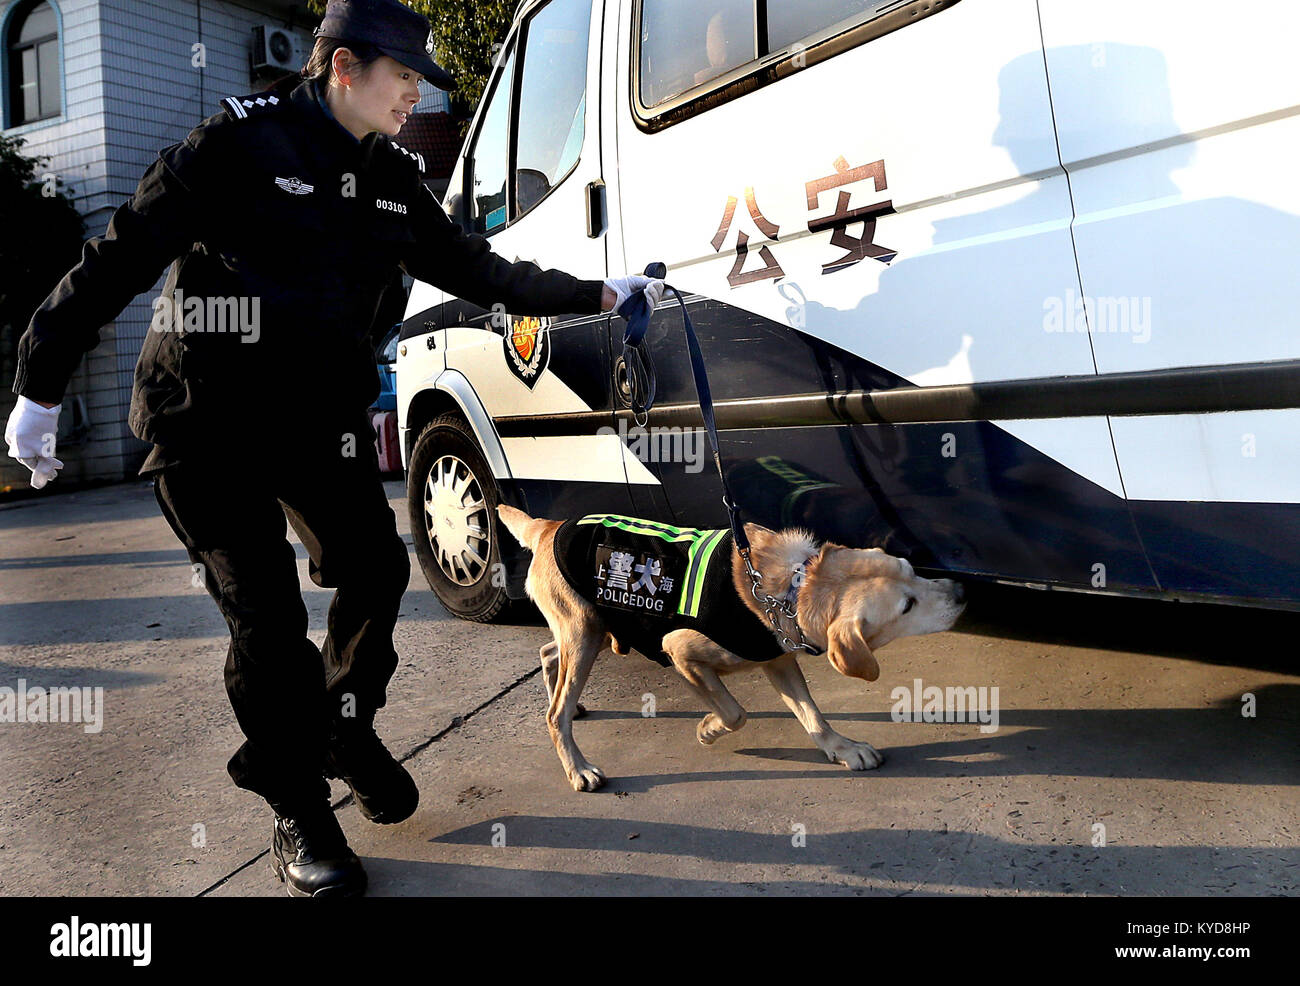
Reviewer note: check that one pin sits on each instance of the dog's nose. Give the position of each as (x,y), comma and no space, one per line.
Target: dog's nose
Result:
(958,592)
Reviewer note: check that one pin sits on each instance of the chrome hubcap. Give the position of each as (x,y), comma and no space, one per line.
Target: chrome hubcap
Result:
(456,520)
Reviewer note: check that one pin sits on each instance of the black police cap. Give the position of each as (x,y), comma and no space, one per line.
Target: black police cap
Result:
(392,27)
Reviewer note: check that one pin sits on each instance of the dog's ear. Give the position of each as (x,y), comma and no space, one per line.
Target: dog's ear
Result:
(846,646)
(759,536)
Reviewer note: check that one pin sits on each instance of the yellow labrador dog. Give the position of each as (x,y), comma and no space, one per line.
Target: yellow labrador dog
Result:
(849,602)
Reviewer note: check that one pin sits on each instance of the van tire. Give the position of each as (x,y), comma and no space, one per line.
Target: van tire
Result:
(448,440)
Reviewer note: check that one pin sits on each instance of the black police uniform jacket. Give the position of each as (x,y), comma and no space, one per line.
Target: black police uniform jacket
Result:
(647,579)
(270,204)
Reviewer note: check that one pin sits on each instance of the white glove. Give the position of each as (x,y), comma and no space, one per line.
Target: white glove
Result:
(30,435)
(627,287)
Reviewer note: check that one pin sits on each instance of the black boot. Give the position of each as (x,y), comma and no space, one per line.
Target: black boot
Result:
(382,788)
(310,854)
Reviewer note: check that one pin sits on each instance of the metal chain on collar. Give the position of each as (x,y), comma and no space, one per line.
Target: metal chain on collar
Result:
(774,609)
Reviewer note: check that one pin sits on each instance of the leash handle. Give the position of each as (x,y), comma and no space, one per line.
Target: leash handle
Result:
(638,365)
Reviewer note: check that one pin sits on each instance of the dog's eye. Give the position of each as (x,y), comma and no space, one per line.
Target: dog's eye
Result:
(911,601)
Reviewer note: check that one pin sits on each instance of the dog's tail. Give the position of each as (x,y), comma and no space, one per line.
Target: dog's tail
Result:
(526,530)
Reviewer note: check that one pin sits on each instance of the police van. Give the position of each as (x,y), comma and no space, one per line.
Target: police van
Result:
(1004,286)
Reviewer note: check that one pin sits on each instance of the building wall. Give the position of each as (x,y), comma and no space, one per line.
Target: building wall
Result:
(130,89)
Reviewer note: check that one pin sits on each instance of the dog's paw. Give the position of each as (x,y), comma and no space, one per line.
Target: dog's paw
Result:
(587,778)
(580,712)
(855,756)
(711,727)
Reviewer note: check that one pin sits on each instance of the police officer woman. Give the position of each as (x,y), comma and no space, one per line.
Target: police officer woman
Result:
(284,218)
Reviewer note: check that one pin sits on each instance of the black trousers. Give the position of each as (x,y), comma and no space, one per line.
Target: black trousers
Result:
(286,692)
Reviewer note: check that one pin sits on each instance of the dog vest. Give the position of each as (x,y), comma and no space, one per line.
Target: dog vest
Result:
(647,579)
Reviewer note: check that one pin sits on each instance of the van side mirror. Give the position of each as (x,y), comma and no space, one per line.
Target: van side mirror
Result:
(531,187)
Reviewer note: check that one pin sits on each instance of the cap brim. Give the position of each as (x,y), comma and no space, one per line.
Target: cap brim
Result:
(426,66)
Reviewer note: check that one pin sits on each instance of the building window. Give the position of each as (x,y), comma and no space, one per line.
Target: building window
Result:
(33,43)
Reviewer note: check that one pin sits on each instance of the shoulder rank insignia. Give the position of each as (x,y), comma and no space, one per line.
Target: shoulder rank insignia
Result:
(413,155)
(239,107)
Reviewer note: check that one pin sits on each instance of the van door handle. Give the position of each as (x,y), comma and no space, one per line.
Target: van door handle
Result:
(595,208)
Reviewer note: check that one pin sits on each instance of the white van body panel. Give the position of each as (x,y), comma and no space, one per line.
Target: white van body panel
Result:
(983,208)
(576,458)
(419,363)
(1178,125)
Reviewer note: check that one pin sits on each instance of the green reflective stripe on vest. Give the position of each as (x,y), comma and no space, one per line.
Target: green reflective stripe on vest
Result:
(635,525)
(697,564)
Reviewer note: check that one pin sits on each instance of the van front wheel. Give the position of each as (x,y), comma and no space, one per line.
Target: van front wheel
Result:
(453,500)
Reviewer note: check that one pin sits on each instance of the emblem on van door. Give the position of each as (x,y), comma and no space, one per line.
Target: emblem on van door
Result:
(295,186)
(527,345)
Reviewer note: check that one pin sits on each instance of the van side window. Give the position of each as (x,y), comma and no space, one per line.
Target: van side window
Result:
(552,99)
(691,57)
(790,20)
(684,45)
(488,164)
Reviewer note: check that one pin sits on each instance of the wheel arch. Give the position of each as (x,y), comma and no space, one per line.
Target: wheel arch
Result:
(451,391)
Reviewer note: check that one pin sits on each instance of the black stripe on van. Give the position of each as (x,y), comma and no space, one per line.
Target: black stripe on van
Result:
(1180,390)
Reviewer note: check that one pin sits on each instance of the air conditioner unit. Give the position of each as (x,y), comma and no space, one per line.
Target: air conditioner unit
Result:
(274,50)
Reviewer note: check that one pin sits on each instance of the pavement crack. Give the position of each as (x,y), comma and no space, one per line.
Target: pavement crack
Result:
(343,802)
(458,721)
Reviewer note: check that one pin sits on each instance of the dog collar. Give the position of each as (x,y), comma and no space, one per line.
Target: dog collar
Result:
(791,603)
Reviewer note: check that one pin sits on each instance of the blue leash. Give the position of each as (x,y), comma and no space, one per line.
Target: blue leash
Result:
(636,310)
